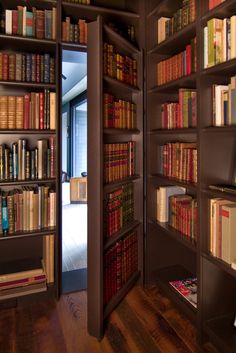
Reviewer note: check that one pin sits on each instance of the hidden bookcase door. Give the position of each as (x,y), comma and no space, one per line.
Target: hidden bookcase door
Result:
(115,169)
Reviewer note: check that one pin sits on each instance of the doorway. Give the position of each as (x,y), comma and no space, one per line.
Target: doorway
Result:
(74,171)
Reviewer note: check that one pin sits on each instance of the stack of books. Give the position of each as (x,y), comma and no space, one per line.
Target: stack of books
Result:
(74,33)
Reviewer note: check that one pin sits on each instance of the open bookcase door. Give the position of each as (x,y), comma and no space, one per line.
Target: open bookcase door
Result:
(95,180)
(122,252)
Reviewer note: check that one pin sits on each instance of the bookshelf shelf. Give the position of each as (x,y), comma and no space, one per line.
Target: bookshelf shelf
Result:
(222,10)
(165,8)
(222,331)
(220,129)
(181,238)
(164,276)
(120,295)
(101,10)
(120,85)
(185,81)
(112,240)
(219,263)
(221,194)
(115,131)
(115,184)
(73,46)
(6,38)
(32,85)
(28,132)
(122,42)
(225,68)
(27,182)
(179,39)
(39,233)
(173,131)
(190,186)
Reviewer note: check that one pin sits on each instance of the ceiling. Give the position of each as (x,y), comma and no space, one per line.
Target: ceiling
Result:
(74,69)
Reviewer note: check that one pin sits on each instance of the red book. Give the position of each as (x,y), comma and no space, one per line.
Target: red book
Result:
(41,111)
(14,22)
(5,67)
(26,111)
(188,60)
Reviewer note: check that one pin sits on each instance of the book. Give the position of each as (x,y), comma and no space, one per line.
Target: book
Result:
(187,288)
(228,214)
(163,193)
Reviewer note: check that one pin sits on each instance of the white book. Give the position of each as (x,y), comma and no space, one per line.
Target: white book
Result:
(205,47)
(219,119)
(233,36)
(24,21)
(162,197)
(8,22)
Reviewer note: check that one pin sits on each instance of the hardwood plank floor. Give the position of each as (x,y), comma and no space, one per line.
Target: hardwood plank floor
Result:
(144,322)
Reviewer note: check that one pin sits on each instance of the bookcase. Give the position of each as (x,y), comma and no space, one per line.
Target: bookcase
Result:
(108,83)
(170,254)
(28,140)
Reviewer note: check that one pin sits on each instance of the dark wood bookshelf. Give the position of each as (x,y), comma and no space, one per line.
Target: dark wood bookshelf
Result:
(121,41)
(225,9)
(189,130)
(226,68)
(101,10)
(179,39)
(28,132)
(188,81)
(120,84)
(221,330)
(231,129)
(220,194)
(174,273)
(165,8)
(32,85)
(116,131)
(111,186)
(27,182)
(173,181)
(175,234)
(121,294)
(220,263)
(6,38)
(73,46)
(119,235)
(38,233)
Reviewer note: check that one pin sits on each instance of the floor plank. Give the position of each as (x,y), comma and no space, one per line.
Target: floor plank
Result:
(144,322)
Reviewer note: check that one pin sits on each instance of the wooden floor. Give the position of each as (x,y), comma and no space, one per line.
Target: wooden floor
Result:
(74,237)
(145,322)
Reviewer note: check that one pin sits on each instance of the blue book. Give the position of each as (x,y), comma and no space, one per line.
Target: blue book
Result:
(29,24)
(5,221)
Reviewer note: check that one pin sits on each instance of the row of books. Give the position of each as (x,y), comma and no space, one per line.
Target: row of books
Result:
(178,209)
(35,110)
(214,3)
(119,209)
(27,209)
(119,161)
(120,263)
(185,15)
(179,65)
(26,67)
(122,68)
(219,41)
(224,103)
(40,24)
(74,33)
(118,113)
(223,229)
(182,114)
(178,160)
(20,163)
(28,276)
